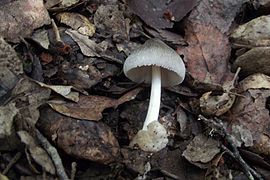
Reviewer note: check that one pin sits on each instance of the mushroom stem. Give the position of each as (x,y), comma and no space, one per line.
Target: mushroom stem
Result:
(154,104)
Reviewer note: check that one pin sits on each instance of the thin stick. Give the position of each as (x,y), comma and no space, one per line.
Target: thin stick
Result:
(73,170)
(12,162)
(53,154)
(247,169)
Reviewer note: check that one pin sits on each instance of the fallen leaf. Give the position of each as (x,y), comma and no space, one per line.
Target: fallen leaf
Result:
(249,65)
(255,81)
(262,4)
(28,97)
(110,19)
(41,37)
(38,154)
(168,160)
(51,3)
(83,75)
(68,3)
(90,107)
(134,160)
(201,149)
(251,115)
(218,13)
(167,36)
(161,14)
(87,140)
(64,91)
(207,57)
(77,22)
(254,33)
(88,47)
(29,15)
(10,67)
(7,114)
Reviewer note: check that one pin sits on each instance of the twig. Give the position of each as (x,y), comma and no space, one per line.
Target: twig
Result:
(245,166)
(12,162)
(73,170)
(53,154)
(235,153)
(56,32)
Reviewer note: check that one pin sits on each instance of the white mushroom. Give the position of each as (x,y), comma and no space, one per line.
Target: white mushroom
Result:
(156,63)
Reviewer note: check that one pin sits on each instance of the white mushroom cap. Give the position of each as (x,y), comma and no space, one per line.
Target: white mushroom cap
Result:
(154,52)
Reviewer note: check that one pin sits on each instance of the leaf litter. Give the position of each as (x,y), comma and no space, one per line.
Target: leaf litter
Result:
(96,114)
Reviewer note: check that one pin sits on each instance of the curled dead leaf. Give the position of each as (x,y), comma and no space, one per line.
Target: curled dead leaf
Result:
(91,107)
(77,22)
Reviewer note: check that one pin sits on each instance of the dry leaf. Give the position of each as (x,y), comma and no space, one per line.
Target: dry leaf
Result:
(27,16)
(88,47)
(217,13)
(87,140)
(41,37)
(161,14)
(83,75)
(207,57)
(201,149)
(255,81)
(10,67)
(91,107)
(110,19)
(253,61)
(250,118)
(254,33)
(28,96)
(7,114)
(77,22)
(64,91)
(38,154)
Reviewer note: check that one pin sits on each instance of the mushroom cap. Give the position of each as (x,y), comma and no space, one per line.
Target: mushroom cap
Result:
(154,52)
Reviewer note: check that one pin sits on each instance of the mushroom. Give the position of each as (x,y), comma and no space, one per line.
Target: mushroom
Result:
(156,63)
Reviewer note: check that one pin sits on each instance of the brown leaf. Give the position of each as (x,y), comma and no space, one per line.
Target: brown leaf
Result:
(254,33)
(110,19)
(169,161)
(7,114)
(77,22)
(87,46)
(201,149)
(161,14)
(207,56)
(82,76)
(218,13)
(248,63)
(64,91)
(91,107)
(21,18)
(255,81)
(10,67)
(250,118)
(88,140)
